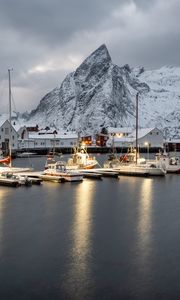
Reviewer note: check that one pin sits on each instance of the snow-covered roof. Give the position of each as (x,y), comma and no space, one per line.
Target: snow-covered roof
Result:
(131,138)
(142,132)
(120,129)
(52,136)
(2,122)
(18,126)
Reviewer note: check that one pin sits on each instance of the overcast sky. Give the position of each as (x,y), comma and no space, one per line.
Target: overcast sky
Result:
(44,40)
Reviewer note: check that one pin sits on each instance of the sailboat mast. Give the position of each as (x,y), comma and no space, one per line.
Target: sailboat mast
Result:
(136,125)
(10,137)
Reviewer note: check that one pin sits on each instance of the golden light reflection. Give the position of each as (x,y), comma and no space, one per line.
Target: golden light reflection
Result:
(3,193)
(145,219)
(81,235)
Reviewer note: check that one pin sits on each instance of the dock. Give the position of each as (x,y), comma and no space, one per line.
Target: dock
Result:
(100,171)
(37,176)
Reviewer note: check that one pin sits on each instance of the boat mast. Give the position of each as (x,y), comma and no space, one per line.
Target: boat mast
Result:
(136,125)
(10,137)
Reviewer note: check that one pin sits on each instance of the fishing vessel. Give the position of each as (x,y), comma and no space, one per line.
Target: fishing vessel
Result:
(81,159)
(171,163)
(56,171)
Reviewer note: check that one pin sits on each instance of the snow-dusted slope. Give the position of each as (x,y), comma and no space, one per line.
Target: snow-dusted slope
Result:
(161,105)
(101,94)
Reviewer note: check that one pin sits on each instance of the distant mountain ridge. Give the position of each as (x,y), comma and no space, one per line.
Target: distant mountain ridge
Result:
(101,94)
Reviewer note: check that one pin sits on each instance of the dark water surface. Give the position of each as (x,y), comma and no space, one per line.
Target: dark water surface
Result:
(109,239)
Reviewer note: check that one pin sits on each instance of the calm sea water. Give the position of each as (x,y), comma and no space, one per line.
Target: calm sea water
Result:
(109,239)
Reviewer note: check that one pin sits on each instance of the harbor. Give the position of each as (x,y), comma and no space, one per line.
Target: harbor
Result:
(55,237)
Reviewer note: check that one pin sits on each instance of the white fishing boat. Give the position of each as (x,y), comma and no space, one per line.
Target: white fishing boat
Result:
(55,170)
(81,159)
(171,163)
(127,165)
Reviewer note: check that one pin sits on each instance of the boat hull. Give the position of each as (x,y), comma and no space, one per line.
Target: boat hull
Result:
(70,177)
(140,171)
(9,182)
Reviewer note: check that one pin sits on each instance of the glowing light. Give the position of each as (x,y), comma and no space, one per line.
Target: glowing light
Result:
(144,237)
(81,231)
(3,193)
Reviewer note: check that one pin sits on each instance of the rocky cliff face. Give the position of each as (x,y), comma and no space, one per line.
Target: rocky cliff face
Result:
(101,94)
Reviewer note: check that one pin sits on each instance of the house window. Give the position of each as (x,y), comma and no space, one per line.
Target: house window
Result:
(62,143)
(2,129)
(157,133)
(150,133)
(6,131)
(71,143)
(0,137)
(13,137)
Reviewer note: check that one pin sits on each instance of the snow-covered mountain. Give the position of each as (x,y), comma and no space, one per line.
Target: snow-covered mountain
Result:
(101,94)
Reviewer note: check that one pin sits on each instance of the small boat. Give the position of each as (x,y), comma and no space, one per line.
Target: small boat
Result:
(26,154)
(5,160)
(57,171)
(9,169)
(81,159)
(141,170)
(10,179)
(128,166)
(7,180)
(171,163)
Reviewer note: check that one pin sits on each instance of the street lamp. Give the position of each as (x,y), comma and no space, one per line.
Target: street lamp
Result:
(147,144)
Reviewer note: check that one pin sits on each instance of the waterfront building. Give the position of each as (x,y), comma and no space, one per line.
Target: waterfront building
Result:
(8,134)
(147,138)
(36,141)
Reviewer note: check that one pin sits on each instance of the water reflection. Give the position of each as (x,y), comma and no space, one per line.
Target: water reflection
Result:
(77,283)
(144,226)
(3,195)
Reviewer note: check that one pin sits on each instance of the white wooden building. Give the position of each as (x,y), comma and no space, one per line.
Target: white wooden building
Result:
(48,141)
(8,135)
(119,132)
(147,137)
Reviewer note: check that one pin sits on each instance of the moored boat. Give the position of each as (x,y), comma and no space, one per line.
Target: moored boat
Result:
(7,180)
(171,163)
(57,169)
(81,160)
(10,179)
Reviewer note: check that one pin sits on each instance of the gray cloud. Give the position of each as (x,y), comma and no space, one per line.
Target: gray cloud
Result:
(45,40)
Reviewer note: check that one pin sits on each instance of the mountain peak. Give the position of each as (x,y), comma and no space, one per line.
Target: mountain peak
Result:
(101,94)
(97,60)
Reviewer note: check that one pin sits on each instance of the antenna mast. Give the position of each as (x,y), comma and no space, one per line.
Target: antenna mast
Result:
(10,136)
(137,95)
